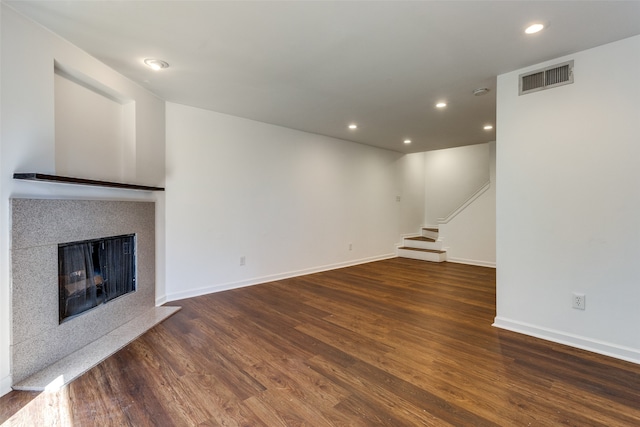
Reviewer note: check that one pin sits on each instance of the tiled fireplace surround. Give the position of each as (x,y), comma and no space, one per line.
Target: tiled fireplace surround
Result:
(38,226)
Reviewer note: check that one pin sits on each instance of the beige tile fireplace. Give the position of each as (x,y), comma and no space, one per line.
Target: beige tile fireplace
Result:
(39,340)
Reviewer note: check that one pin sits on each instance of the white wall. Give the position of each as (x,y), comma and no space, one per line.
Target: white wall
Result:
(460,200)
(568,203)
(469,236)
(5,293)
(412,177)
(289,201)
(451,176)
(85,146)
(27,138)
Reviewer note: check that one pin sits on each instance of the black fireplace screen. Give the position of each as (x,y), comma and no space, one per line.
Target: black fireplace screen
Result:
(94,271)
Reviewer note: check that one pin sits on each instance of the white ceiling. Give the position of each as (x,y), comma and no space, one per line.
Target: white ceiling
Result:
(318,66)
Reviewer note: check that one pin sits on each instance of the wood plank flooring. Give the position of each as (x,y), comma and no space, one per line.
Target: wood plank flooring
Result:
(392,343)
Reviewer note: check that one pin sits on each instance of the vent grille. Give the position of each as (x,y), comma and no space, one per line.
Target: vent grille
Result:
(532,81)
(546,78)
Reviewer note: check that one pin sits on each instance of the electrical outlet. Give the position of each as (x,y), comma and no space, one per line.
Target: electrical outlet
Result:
(350,246)
(242,260)
(579,301)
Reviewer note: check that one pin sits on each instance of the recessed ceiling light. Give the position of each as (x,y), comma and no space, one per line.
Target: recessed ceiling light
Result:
(353,126)
(488,127)
(481,91)
(407,141)
(532,29)
(441,104)
(156,64)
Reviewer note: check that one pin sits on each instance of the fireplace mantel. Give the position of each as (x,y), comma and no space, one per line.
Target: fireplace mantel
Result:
(40,177)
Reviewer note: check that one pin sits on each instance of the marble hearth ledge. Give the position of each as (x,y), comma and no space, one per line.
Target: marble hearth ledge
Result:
(71,367)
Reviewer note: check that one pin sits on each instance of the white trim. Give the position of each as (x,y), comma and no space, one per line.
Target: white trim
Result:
(402,236)
(466,203)
(161,300)
(421,255)
(472,262)
(5,385)
(271,278)
(584,343)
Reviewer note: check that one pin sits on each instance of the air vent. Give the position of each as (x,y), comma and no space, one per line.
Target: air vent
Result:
(546,78)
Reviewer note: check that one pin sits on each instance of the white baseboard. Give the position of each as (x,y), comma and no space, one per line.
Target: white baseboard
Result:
(161,300)
(472,262)
(608,349)
(5,385)
(265,279)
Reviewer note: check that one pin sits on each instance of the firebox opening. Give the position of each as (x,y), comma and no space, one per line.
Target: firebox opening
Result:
(93,272)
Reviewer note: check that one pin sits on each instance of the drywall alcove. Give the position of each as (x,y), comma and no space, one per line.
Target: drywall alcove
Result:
(94,129)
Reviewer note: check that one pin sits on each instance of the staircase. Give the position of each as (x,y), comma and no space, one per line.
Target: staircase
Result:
(425,247)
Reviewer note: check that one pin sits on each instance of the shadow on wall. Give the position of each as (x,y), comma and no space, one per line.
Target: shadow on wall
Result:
(452,177)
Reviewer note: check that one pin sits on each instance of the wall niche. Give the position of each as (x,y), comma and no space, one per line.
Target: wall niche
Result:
(95,131)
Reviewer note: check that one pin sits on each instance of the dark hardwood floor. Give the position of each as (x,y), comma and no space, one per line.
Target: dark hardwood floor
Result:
(394,343)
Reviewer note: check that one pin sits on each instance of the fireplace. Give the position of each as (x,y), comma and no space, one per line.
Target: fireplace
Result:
(43,228)
(93,272)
